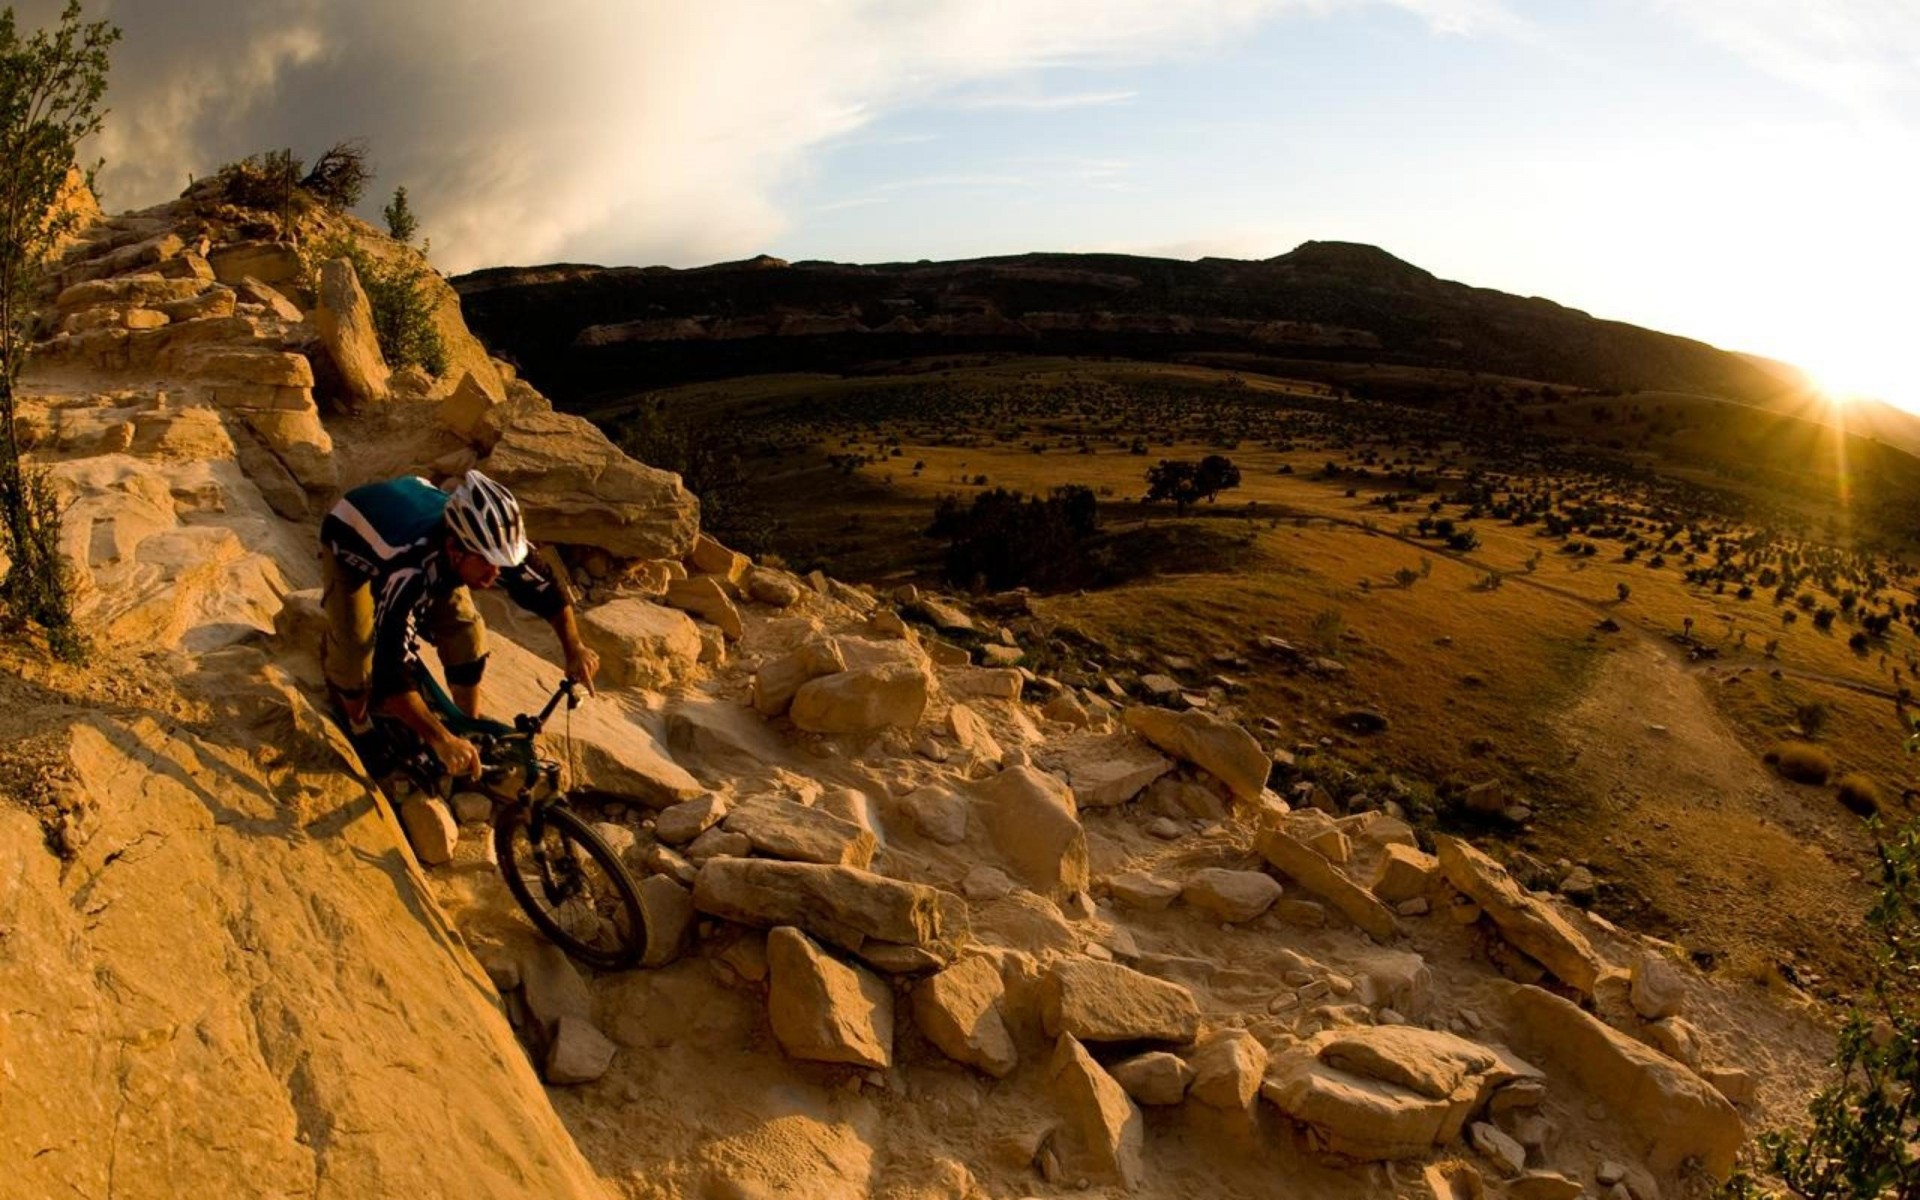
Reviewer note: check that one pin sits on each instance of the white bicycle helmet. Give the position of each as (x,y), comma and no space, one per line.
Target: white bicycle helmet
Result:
(485,518)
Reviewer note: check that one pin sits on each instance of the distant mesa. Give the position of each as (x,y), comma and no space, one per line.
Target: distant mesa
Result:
(579,331)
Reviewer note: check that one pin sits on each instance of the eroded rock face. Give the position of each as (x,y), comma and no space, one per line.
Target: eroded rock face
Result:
(783,829)
(576,487)
(886,684)
(823,1009)
(1231,896)
(1532,926)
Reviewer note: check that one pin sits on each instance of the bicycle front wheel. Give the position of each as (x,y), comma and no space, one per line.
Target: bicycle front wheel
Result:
(571,885)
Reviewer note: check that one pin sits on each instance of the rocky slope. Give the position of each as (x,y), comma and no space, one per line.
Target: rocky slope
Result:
(923,922)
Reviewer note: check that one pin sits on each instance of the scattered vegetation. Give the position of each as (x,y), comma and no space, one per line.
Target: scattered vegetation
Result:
(51,86)
(1802,762)
(279,182)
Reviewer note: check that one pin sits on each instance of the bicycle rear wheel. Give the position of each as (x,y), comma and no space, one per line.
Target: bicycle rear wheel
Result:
(571,885)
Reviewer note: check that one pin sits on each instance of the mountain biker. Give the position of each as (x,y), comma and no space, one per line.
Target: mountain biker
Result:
(399,558)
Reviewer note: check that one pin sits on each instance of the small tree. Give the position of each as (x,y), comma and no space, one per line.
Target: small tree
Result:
(401,225)
(51,86)
(1184,482)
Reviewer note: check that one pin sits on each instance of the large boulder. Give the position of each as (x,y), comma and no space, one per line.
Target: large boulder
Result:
(1378,1093)
(783,829)
(576,487)
(344,320)
(845,906)
(1311,869)
(1103,1131)
(825,1010)
(641,644)
(1035,824)
(960,1011)
(886,683)
(1222,748)
(1677,1113)
(1099,1001)
(1531,925)
(779,679)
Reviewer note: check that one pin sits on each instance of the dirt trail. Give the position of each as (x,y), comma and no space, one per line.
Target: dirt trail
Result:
(1737,862)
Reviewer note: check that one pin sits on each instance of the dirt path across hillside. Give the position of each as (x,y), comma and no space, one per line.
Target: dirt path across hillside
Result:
(1734,862)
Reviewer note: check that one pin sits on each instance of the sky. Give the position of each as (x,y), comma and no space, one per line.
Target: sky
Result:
(1739,171)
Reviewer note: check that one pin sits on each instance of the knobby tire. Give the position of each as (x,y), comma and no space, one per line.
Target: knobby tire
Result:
(572,837)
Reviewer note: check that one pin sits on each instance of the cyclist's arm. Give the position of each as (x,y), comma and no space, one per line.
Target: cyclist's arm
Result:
(582,662)
(457,754)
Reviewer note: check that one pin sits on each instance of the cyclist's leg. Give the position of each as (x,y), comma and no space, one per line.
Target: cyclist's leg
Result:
(460,635)
(346,645)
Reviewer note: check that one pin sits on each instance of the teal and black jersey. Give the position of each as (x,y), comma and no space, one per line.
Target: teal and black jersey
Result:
(392,535)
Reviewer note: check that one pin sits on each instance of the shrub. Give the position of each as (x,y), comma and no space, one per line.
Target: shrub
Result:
(1004,539)
(1812,717)
(1859,794)
(1185,482)
(1802,762)
(1328,625)
(402,306)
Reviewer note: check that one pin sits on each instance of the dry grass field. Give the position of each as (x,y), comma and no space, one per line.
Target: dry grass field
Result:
(1572,665)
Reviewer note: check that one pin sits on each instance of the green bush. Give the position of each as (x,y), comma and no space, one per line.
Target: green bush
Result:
(402,304)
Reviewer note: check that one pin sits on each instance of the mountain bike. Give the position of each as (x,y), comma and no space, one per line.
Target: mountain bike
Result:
(570,882)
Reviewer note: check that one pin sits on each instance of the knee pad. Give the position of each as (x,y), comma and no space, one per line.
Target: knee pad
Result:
(468,674)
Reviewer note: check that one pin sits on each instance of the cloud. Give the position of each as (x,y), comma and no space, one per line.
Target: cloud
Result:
(604,130)
(1043,103)
(1863,54)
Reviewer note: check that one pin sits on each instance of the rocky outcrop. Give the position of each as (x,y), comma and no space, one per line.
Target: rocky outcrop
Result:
(1103,1133)
(576,487)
